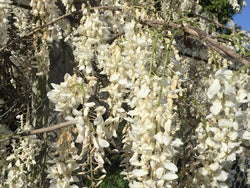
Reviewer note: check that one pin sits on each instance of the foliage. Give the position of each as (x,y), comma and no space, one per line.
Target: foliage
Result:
(223,9)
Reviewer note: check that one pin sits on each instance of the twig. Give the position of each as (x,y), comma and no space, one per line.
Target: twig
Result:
(110,41)
(203,36)
(45,129)
(56,20)
(41,27)
(52,22)
(39,131)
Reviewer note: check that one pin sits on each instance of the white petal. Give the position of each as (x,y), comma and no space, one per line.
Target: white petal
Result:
(177,142)
(95,143)
(80,138)
(114,77)
(214,166)
(135,184)
(222,176)
(88,69)
(242,96)
(213,89)
(224,72)
(160,183)
(228,88)
(233,135)
(171,166)
(123,81)
(166,140)
(82,67)
(133,112)
(216,108)
(76,112)
(170,176)
(238,114)
(231,157)
(61,167)
(159,137)
(89,104)
(139,172)
(246,135)
(18,163)
(128,119)
(225,123)
(149,183)
(159,172)
(98,120)
(229,104)
(103,143)
(144,91)
(100,159)
(203,171)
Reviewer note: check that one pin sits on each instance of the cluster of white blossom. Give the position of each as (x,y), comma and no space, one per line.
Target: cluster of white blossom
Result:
(93,132)
(20,170)
(48,12)
(174,8)
(128,72)
(150,140)
(21,20)
(5,12)
(125,63)
(69,5)
(228,125)
(235,4)
(3,153)
(149,124)
(63,162)
(68,95)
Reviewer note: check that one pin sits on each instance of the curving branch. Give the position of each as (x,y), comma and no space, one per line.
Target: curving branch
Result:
(202,35)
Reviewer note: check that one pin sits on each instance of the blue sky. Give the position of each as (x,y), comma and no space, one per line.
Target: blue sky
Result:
(243,19)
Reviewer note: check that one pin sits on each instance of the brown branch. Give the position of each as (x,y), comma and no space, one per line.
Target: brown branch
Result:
(221,25)
(69,14)
(215,45)
(39,131)
(46,129)
(52,22)
(56,20)
(41,27)
(208,20)
(110,41)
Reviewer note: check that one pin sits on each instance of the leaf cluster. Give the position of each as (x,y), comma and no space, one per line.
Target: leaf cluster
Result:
(222,9)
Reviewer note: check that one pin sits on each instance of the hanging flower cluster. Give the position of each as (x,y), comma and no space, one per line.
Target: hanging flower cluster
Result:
(20,170)
(68,95)
(5,12)
(136,80)
(151,142)
(63,160)
(48,11)
(220,138)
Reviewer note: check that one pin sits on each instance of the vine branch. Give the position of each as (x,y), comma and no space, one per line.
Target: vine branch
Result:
(39,131)
(215,45)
